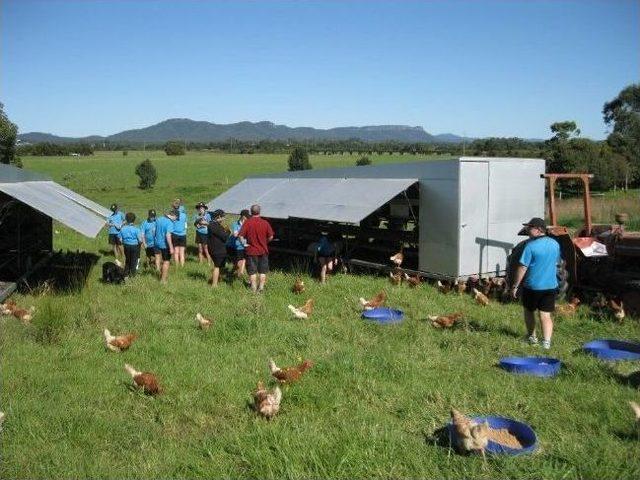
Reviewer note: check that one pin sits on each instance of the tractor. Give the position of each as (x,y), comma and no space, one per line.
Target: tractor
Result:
(601,258)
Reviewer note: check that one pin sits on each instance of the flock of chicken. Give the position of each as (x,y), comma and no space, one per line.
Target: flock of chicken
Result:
(471,435)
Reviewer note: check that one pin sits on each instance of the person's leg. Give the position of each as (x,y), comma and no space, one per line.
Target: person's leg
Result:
(121,250)
(206,254)
(263,281)
(323,272)
(158,260)
(115,250)
(530,322)
(164,275)
(240,268)
(215,276)
(200,253)
(127,260)
(263,269)
(546,322)
(181,255)
(135,256)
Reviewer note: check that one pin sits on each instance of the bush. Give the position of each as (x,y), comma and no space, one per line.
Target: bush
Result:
(174,148)
(363,161)
(49,323)
(147,173)
(125,153)
(299,160)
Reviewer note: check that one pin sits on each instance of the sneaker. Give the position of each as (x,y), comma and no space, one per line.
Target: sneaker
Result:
(546,344)
(532,340)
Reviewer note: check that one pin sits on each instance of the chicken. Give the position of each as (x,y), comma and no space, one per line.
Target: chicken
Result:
(480,298)
(636,409)
(375,302)
(289,374)
(485,286)
(568,309)
(24,315)
(471,435)
(203,322)
(398,258)
(119,343)
(145,380)
(498,286)
(413,281)
(298,286)
(266,403)
(445,321)
(461,286)
(304,311)
(8,307)
(599,302)
(395,278)
(618,309)
(443,287)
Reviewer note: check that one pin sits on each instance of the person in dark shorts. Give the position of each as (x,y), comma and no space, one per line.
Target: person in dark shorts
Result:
(218,236)
(235,246)
(326,255)
(148,228)
(164,243)
(201,222)
(537,274)
(115,221)
(179,235)
(256,233)
(131,238)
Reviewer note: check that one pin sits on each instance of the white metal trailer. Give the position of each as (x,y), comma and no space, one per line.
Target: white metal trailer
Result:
(470,208)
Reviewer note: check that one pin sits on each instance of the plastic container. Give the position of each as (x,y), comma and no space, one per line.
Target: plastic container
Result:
(523,432)
(536,366)
(611,349)
(384,315)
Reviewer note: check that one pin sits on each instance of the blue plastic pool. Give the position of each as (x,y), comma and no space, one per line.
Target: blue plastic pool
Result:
(537,366)
(384,315)
(523,432)
(610,349)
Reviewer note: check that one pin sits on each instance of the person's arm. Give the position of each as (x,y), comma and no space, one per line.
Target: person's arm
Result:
(525,261)
(271,234)
(169,239)
(242,234)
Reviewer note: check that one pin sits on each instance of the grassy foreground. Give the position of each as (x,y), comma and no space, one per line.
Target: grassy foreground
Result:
(369,408)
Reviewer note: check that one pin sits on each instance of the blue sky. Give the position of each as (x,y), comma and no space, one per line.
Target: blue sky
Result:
(480,68)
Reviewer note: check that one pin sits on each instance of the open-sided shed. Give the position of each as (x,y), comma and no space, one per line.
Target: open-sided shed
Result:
(28,203)
(455,218)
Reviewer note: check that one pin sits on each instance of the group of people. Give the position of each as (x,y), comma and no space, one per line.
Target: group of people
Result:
(164,238)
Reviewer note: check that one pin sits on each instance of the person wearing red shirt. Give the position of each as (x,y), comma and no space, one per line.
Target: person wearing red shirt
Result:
(256,233)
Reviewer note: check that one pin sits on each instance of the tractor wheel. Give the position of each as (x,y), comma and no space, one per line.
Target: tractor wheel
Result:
(631,298)
(563,280)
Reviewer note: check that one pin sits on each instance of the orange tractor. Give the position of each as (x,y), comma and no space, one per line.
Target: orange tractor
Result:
(599,257)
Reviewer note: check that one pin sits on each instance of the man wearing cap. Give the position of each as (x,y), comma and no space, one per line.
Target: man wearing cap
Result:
(201,222)
(218,236)
(148,228)
(115,222)
(256,233)
(537,274)
(163,242)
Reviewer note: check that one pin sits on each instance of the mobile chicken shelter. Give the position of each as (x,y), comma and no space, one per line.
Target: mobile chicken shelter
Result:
(28,203)
(454,218)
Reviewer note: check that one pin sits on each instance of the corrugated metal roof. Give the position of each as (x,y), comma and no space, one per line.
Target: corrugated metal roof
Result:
(54,200)
(347,200)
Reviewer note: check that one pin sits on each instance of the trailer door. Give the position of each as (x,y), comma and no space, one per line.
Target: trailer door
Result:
(474,214)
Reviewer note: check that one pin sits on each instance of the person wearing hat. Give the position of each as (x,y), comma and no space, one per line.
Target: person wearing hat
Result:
(537,274)
(235,246)
(148,228)
(218,236)
(115,222)
(163,242)
(201,222)
(179,235)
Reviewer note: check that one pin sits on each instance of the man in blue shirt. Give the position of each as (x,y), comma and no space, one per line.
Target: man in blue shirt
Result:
(201,221)
(179,237)
(537,273)
(131,238)
(163,242)
(115,222)
(148,228)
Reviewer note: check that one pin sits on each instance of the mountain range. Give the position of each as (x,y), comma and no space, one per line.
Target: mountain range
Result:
(184,129)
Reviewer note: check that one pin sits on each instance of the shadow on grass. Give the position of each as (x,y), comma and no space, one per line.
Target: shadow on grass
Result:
(441,437)
(64,273)
(508,332)
(198,276)
(628,435)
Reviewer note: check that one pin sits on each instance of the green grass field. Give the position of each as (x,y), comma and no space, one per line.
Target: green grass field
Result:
(369,407)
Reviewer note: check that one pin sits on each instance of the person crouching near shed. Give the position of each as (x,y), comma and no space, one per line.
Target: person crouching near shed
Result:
(218,236)
(131,238)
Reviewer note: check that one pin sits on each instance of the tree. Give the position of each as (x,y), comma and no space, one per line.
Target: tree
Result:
(125,153)
(623,114)
(364,160)
(174,148)
(564,130)
(299,160)
(8,136)
(147,173)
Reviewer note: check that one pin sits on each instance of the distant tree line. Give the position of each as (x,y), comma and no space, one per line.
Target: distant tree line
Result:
(47,149)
